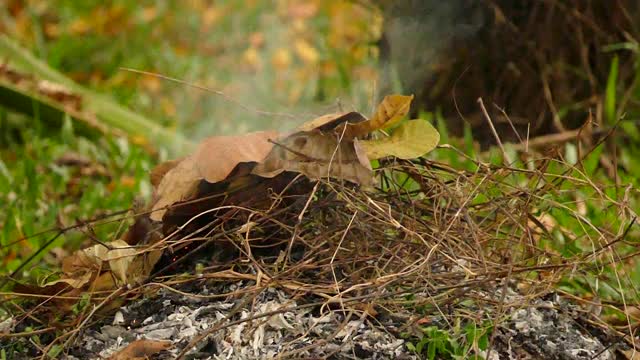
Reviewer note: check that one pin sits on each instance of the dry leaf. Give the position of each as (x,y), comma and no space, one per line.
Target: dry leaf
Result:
(390,112)
(76,282)
(119,258)
(158,172)
(410,140)
(178,184)
(317,155)
(141,349)
(630,354)
(331,121)
(217,156)
(86,264)
(213,161)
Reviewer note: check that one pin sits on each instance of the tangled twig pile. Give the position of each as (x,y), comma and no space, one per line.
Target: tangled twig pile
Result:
(426,242)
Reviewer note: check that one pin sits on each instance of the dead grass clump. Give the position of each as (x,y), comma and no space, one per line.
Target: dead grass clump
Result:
(429,242)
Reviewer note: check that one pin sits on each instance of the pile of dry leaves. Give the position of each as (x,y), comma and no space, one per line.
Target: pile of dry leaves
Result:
(342,215)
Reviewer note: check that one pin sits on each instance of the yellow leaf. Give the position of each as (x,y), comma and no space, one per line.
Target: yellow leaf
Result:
(390,111)
(410,140)
(306,52)
(281,59)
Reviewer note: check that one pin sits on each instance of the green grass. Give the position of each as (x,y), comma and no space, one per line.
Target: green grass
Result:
(42,194)
(589,202)
(461,342)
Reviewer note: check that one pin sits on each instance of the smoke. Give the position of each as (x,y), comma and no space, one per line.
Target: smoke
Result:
(419,36)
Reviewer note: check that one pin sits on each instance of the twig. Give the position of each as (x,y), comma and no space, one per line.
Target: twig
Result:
(495,133)
(204,88)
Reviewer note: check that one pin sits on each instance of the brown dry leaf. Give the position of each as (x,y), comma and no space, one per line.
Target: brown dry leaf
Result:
(218,156)
(76,282)
(120,258)
(158,172)
(390,111)
(331,121)
(178,184)
(141,349)
(81,267)
(80,262)
(214,160)
(317,155)
(142,265)
(630,354)
(410,140)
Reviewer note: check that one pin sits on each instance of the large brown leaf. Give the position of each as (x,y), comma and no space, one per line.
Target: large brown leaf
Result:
(214,160)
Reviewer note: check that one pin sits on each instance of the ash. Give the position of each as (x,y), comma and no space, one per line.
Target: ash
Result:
(309,332)
(546,328)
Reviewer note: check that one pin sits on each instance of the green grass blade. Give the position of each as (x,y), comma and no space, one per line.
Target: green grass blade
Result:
(108,113)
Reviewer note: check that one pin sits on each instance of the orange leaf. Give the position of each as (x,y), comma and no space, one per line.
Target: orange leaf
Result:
(141,349)
(390,111)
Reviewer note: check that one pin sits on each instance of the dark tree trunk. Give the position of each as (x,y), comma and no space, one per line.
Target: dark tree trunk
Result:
(545,62)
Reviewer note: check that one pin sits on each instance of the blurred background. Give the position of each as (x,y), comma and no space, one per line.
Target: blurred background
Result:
(299,58)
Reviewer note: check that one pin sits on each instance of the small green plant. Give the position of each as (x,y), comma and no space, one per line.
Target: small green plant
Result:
(459,343)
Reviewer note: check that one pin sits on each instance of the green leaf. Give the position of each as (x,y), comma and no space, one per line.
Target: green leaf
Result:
(55,351)
(431,351)
(410,140)
(591,162)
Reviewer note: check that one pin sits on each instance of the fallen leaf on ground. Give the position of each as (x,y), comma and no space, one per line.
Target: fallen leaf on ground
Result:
(96,258)
(141,349)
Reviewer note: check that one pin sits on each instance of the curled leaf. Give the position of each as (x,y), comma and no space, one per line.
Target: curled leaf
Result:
(410,140)
(316,155)
(331,121)
(389,113)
